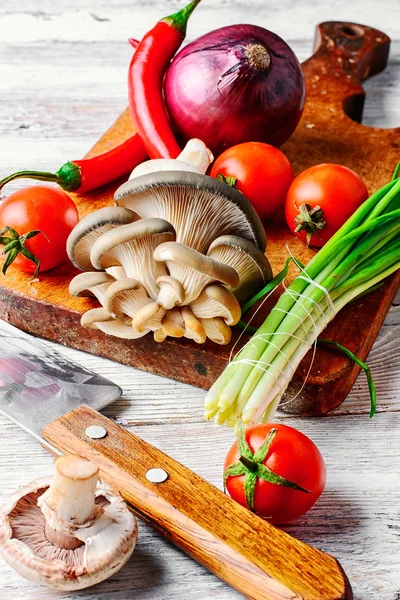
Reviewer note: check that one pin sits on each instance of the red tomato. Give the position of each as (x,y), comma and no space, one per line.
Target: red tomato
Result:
(337,190)
(48,209)
(263,174)
(291,455)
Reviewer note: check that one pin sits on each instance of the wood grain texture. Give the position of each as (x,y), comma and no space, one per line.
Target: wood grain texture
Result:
(56,62)
(251,555)
(345,56)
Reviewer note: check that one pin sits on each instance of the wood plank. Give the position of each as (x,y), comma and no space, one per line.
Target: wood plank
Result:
(332,138)
(357,517)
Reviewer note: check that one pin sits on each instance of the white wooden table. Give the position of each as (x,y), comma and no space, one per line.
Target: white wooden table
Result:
(62,83)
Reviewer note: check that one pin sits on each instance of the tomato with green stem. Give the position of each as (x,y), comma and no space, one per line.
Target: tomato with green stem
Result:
(321,199)
(35,223)
(260,171)
(275,471)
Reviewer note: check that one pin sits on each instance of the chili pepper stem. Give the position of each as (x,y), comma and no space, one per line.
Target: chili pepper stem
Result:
(180,19)
(41,175)
(68,177)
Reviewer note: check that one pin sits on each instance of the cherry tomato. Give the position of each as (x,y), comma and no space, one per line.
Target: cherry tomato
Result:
(44,208)
(291,455)
(262,173)
(336,190)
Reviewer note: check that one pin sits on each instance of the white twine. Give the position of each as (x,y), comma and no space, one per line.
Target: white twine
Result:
(305,341)
(247,324)
(307,278)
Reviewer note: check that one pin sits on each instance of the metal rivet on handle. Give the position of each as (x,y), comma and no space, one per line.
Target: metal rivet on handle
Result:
(156,475)
(96,432)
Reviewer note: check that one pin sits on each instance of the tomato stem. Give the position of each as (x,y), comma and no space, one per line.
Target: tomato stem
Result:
(249,464)
(310,220)
(228,179)
(14,244)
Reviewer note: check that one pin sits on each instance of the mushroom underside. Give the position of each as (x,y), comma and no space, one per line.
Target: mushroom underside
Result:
(200,208)
(25,547)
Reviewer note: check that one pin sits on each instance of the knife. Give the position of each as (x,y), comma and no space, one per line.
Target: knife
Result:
(259,560)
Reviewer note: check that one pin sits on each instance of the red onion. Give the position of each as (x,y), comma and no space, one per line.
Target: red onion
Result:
(236,84)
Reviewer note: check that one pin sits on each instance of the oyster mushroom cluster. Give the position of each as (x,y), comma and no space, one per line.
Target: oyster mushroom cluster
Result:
(177,256)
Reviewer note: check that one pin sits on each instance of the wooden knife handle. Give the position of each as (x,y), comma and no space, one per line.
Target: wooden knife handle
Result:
(259,560)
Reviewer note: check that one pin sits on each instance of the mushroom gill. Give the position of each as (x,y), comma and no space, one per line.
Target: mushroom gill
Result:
(99,318)
(199,207)
(132,246)
(217,301)
(171,292)
(250,263)
(173,324)
(193,269)
(91,227)
(148,318)
(125,297)
(217,330)
(28,525)
(91,283)
(117,272)
(194,330)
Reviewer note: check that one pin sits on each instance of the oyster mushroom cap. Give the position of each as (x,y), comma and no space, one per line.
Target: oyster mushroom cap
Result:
(194,330)
(99,318)
(194,157)
(161,164)
(217,301)
(193,269)
(160,335)
(148,318)
(25,547)
(92,226)
(90,283)
(217,330)
(173,323)
(117,272)
(199,207)
(91,317)
(250,263)
(125,296)
(171,292)
(131,246)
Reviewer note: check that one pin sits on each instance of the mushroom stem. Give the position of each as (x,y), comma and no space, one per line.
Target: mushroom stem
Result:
(196,154)
(71,495)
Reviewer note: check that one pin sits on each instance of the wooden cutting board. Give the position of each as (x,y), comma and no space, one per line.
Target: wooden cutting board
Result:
(330,131)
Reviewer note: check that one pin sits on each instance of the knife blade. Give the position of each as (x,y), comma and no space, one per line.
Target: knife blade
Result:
(37,384)
(259,560)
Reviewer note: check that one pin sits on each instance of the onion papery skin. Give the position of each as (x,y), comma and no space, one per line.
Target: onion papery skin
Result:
(213,92)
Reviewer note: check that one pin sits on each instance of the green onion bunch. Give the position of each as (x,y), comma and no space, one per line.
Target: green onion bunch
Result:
(361,254)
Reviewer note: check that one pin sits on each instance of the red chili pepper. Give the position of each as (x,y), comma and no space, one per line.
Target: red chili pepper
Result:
(90,173)
(145,81)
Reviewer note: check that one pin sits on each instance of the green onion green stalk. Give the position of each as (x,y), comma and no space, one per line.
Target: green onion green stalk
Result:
(361,254)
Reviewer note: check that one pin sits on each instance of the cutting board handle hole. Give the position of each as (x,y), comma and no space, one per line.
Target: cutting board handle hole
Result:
(352,31)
